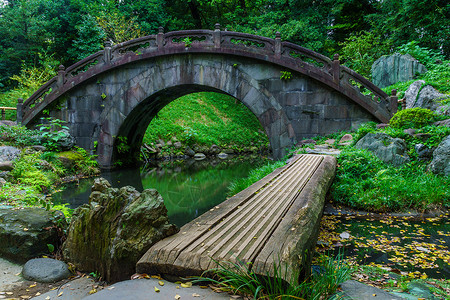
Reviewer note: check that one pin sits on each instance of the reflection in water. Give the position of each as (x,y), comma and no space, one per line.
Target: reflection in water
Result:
(189,188)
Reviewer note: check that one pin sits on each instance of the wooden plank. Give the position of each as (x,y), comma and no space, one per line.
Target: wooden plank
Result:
(243,228)
(199,254)
(167,250)
(295,234)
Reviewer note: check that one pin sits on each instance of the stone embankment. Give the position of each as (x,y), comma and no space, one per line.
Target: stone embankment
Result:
(174,149)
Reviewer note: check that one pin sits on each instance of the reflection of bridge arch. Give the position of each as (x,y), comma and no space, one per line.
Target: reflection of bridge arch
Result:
(117,91)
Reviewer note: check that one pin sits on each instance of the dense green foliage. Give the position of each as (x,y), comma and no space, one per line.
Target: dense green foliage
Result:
(412,118)
(206,119)
(36,173)
(438,74)
(71,29)
(365,182)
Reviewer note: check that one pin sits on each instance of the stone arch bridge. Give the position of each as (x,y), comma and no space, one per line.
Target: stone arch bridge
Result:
(293,91)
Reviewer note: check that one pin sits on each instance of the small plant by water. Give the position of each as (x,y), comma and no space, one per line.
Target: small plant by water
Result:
(238,278)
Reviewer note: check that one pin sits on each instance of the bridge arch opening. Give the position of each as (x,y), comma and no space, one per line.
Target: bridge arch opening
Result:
(219,119)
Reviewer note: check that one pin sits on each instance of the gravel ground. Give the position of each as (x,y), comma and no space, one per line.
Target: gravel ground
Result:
(9,275)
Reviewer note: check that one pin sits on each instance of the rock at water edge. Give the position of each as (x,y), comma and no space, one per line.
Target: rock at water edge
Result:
(111,233)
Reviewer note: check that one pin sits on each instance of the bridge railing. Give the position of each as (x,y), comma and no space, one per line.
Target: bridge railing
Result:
(366,90)
(288,54)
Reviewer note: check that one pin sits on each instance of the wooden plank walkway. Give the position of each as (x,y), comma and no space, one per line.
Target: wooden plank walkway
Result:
(274,221)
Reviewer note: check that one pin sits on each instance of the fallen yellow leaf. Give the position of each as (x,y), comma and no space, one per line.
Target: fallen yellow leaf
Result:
(195,295)
(186,285)
(93,291)
(60,294)
(177,297)
(32,286)
(156,289)
(161,283)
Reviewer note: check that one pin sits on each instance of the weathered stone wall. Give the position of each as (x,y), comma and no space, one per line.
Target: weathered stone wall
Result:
(124,101)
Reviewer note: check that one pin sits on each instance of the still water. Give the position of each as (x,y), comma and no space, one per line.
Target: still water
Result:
(417,247)
(189,188)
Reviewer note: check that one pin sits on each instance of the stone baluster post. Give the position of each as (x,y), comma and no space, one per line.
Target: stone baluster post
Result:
(277,45)
(336,68)
(217,36)
(19,111)
(61,74)
(160,38)
(393,101)
(107,52)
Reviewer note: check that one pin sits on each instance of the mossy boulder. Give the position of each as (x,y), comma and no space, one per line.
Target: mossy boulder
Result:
(25,233)
(111,233)
(70,159)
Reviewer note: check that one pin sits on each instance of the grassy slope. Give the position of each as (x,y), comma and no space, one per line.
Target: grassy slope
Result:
(207,118)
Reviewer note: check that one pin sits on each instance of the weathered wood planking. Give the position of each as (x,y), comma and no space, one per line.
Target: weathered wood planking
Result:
(274,221)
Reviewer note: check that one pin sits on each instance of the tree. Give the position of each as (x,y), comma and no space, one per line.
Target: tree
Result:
(89,38)
(24,33)
(425,21)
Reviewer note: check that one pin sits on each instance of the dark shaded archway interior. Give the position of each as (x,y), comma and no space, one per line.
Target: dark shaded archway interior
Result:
(136,123)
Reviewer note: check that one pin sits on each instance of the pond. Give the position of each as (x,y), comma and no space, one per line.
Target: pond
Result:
(417,247)
(189,188)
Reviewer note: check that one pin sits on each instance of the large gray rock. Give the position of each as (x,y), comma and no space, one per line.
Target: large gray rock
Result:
(111,233)
(441,158)
(8,153)
(45,270)
(390,69)
(412,93)
(25,233)
(388,149)
(430,98)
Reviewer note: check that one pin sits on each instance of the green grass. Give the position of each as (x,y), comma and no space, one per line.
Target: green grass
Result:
(239,279)
(365,182)
(207,118)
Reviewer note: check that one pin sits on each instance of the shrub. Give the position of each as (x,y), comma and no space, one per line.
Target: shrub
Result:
(413,118)
(19,135)
(363,181)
